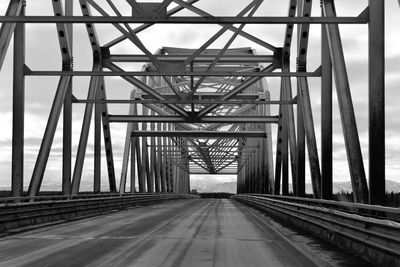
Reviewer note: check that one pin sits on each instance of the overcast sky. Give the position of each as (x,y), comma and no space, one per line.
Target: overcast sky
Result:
(43,54)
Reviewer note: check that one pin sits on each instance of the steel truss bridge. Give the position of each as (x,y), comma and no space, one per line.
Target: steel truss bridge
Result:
(203,111)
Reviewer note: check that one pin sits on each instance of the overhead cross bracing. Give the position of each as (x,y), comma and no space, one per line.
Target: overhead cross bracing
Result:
(213,97)
(211,139)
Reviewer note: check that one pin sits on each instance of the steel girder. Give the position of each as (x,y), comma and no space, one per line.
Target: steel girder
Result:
(203,109)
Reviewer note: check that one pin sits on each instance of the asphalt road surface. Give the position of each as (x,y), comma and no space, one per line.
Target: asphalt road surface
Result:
(198,232)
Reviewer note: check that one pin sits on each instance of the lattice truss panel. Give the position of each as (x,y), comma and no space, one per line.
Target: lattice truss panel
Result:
(203,110)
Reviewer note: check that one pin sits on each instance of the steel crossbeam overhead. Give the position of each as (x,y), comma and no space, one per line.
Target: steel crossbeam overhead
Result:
(208,119)
(204,110)
(232,59)
(203,134)
(362,19)
(186,102)
(221,73)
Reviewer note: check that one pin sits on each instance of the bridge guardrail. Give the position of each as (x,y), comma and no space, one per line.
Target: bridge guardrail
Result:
(26,214)
(376,240)
(376,211)
(20,200)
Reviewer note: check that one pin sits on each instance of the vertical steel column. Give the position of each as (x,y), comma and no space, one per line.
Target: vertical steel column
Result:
(97,144)
(349,125)
(301,150)
(284,140)
(376,102)
(249,178)
(67,111)
(278,158)
(326,118)
(169,160)
(264,151)
(145,156)
(144,153)
(252,160)
(301,142)
(107,139)
(154,160)
(291,130)
(188,168)
(280,147)
(240,171)
(175,171)
(160,161)
(133,166)
(164,171)
(17,171)
(141,180)
(260,149)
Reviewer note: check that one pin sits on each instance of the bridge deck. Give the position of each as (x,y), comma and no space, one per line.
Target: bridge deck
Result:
(205,232)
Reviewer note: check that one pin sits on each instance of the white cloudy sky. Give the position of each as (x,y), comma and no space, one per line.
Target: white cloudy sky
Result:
(43,54)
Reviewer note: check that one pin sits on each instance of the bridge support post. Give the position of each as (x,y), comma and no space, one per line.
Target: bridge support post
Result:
(159,163)
(301,150)
(143,164)
(153,159)
(97,144)
(133,166)
(376,37)
(278,157)
(260,155)
(17,170)
(291,130)
(145,157)
(164,171)
(67,113)
(284,140)
(326,118)
(303,8)
(169,165)
(141,180)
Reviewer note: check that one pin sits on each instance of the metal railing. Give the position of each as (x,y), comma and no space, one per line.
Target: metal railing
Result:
(375,211)
(59,209)
(376,240)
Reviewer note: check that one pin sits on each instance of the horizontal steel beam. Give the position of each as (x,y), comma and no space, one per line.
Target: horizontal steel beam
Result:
(218,68)
(198,59)
(176,119)
(186,20)
(186,102)
(202,134)
(174,73)
(207,96)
